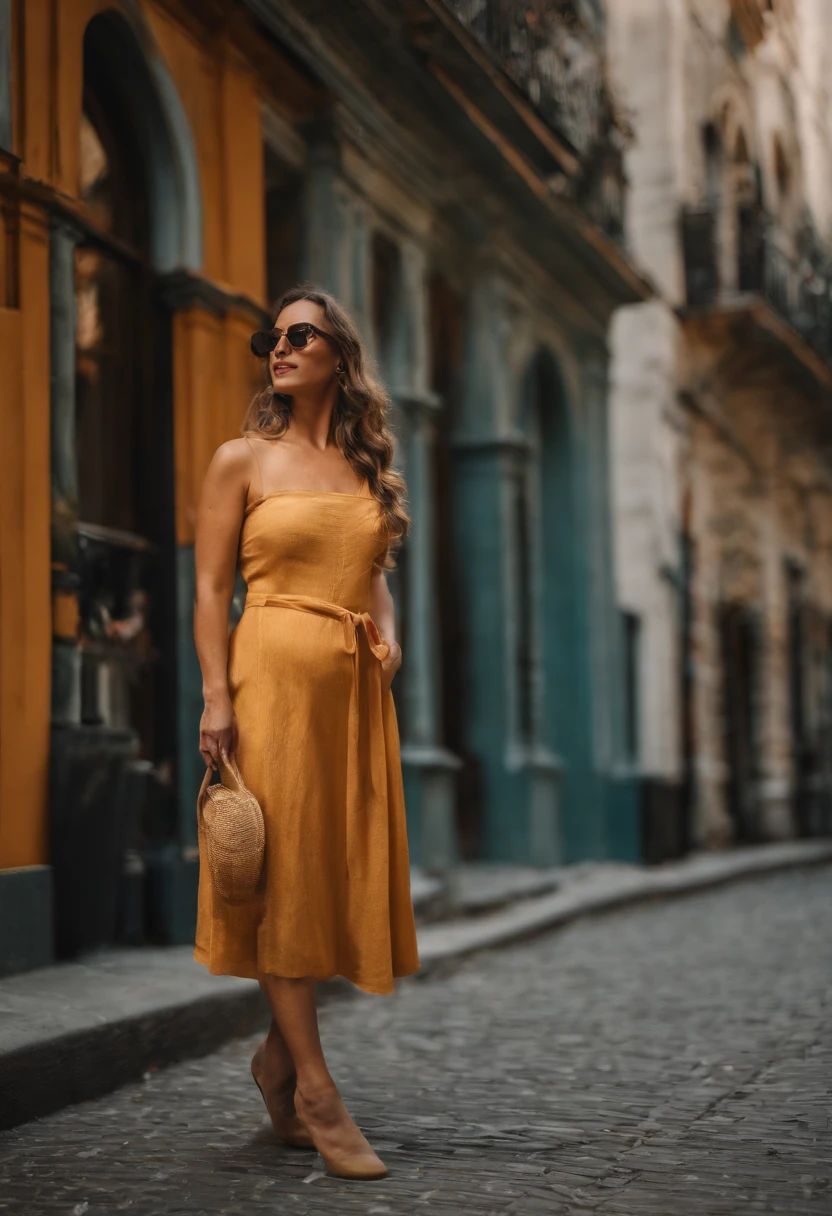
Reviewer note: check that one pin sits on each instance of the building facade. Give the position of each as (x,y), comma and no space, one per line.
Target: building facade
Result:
(453,172)
(721,412)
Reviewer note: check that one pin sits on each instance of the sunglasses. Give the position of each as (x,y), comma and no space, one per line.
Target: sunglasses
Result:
(297,335)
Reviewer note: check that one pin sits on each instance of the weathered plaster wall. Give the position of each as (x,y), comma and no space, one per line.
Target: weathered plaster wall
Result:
(761,499)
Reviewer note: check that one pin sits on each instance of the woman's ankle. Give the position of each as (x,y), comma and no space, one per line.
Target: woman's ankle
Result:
(275,1043)
(315,1083)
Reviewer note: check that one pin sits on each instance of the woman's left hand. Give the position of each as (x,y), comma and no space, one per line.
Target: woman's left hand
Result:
(391,664)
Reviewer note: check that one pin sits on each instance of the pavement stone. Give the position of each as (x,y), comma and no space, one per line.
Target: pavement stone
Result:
(671,1058)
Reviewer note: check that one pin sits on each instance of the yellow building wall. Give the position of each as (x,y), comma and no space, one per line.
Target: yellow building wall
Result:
(25,605)
(214,374)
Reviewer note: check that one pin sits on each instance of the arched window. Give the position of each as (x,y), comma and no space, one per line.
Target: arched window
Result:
(112,296)
(782,171)
(713,152)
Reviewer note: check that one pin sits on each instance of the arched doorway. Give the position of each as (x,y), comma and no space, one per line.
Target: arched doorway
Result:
(546,519)
(116,685)
(446,315)
(123,432)
(548,695)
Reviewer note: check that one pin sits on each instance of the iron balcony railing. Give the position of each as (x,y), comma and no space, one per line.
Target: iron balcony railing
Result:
(797,285)
(553,51)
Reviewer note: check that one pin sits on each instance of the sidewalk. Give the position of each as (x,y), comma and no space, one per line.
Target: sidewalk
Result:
(79,1030)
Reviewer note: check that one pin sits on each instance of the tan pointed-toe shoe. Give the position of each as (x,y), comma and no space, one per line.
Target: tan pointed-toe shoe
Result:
(337,1137)
(279,1102)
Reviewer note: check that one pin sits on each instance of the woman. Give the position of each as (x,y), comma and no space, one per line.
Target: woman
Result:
(308,503)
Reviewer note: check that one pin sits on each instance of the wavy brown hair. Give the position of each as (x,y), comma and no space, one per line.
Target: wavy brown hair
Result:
(360,420)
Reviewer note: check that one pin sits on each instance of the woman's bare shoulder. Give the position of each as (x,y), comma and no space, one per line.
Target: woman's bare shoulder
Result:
(231,466)
(232,453)
(232,459)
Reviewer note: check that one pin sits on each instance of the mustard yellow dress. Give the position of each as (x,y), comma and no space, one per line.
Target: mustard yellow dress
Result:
(319,748)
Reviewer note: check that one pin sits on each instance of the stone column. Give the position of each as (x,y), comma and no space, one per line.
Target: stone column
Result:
(614,784)
(325,253)
(518,778)
(66,657)
(358,294)
(429,768)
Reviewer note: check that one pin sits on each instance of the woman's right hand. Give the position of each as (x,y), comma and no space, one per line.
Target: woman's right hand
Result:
(218,733)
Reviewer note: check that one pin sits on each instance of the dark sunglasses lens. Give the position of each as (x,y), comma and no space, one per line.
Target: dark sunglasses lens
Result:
(299,337)
(263,343)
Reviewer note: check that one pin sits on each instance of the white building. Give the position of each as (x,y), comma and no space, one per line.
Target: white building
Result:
(721,414)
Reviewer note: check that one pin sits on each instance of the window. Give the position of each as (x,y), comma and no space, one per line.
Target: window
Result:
(386,291)
(283,186)
(781,170)
(631,629)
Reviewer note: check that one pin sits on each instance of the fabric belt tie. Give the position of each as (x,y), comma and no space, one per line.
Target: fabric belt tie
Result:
(356,801)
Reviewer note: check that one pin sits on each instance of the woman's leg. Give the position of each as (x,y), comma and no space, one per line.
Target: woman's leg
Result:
(294,1009)
(273,1053)
(337,1137)
(274,1071)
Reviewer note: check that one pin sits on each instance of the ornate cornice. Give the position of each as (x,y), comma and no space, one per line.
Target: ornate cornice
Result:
(181,290)
(416,403)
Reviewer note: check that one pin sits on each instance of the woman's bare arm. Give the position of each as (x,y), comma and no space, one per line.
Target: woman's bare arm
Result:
(218,522)
(383,612)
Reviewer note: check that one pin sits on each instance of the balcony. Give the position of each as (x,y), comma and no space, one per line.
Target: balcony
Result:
(790,276)
(553,53)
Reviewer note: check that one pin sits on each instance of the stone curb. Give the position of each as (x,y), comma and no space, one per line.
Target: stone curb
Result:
(134,1011)
(93,1055)
(605,888)
(43,1077)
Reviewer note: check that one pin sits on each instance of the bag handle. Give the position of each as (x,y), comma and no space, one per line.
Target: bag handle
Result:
(206,781)
(230,766)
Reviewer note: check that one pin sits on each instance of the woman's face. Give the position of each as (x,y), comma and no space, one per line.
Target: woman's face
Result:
(310,370)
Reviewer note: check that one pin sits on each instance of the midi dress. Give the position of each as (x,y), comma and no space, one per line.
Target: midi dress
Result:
(319,749)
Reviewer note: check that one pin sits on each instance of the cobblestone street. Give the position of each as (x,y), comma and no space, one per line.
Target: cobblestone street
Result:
(674,1058)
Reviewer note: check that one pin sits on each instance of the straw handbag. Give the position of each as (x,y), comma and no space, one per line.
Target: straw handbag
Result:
(232,834)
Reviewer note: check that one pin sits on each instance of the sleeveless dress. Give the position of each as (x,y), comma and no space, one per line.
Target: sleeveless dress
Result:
(319,749)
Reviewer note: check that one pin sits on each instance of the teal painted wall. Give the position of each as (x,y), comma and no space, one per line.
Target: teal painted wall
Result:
(623,819)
